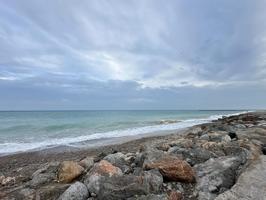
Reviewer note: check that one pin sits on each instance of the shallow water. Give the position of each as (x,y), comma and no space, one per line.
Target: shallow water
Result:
(28,130)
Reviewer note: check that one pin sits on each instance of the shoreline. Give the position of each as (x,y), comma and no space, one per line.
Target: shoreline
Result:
(21,166)
(106,141)
(61,153)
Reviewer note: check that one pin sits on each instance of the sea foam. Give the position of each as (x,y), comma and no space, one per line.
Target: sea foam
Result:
(9,147)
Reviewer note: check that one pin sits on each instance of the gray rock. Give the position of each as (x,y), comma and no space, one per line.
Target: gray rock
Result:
(115,158)
(251,184)
(216,136)
(77,191)
(138,171)
(175,149)
(44,175)
(151,155)
(150,197)
(87,163)
(226,138)
(204,137)
(240,126)
(257,133)
(154,178)
(93,183)
(25,193)
(126,186)
(216,175)
(119,160)
(51,191)
(192,156)
(98,172)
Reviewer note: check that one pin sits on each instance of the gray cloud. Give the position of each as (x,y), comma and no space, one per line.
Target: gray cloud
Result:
(133,54)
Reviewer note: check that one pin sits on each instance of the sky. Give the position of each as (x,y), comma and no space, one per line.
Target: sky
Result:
(117,54)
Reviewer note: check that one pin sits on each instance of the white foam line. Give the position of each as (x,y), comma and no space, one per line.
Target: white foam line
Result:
(8,148)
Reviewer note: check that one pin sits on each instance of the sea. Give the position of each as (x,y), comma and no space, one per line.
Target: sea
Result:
(22,131)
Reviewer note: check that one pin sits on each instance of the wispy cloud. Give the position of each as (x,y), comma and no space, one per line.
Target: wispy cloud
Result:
(153,45)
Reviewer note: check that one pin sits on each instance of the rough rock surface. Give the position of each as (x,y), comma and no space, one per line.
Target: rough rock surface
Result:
(174,195)
(250,185)
(216,176)
(119,160)
(173,169)
(44,175)
(77,191)
(192,156)
(50,192)
(127,186)
(150,197)
(98,172)
(68,171)
(105,168)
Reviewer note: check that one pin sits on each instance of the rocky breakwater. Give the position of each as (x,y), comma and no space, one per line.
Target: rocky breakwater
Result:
(221,160)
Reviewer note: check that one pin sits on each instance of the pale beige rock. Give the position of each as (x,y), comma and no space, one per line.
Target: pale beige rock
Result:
(68,171)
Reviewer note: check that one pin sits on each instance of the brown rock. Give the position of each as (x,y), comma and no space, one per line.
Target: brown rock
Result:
(68,171)
(174,195)
(173,169)
(105,168)
(2,195)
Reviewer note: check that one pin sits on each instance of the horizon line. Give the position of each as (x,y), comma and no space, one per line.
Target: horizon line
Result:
(63,110)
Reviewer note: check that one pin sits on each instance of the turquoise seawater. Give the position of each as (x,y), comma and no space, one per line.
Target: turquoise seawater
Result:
(28,130)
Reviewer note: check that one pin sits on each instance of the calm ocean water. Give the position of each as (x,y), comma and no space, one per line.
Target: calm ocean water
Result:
(24,131)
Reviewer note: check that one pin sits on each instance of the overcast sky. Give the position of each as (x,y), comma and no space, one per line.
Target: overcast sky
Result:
(146,54)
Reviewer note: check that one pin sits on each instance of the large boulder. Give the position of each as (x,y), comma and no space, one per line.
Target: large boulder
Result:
(68,171)
(216,175)
(122,187)
(192,156)
(251,184)
(77,191)
(119,160)
(44,175)
(105,168)
(99,171)
(173,169)
(258,133)
(150,155)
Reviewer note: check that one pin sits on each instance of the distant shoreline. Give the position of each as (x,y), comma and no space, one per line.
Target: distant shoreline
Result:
(163,127)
